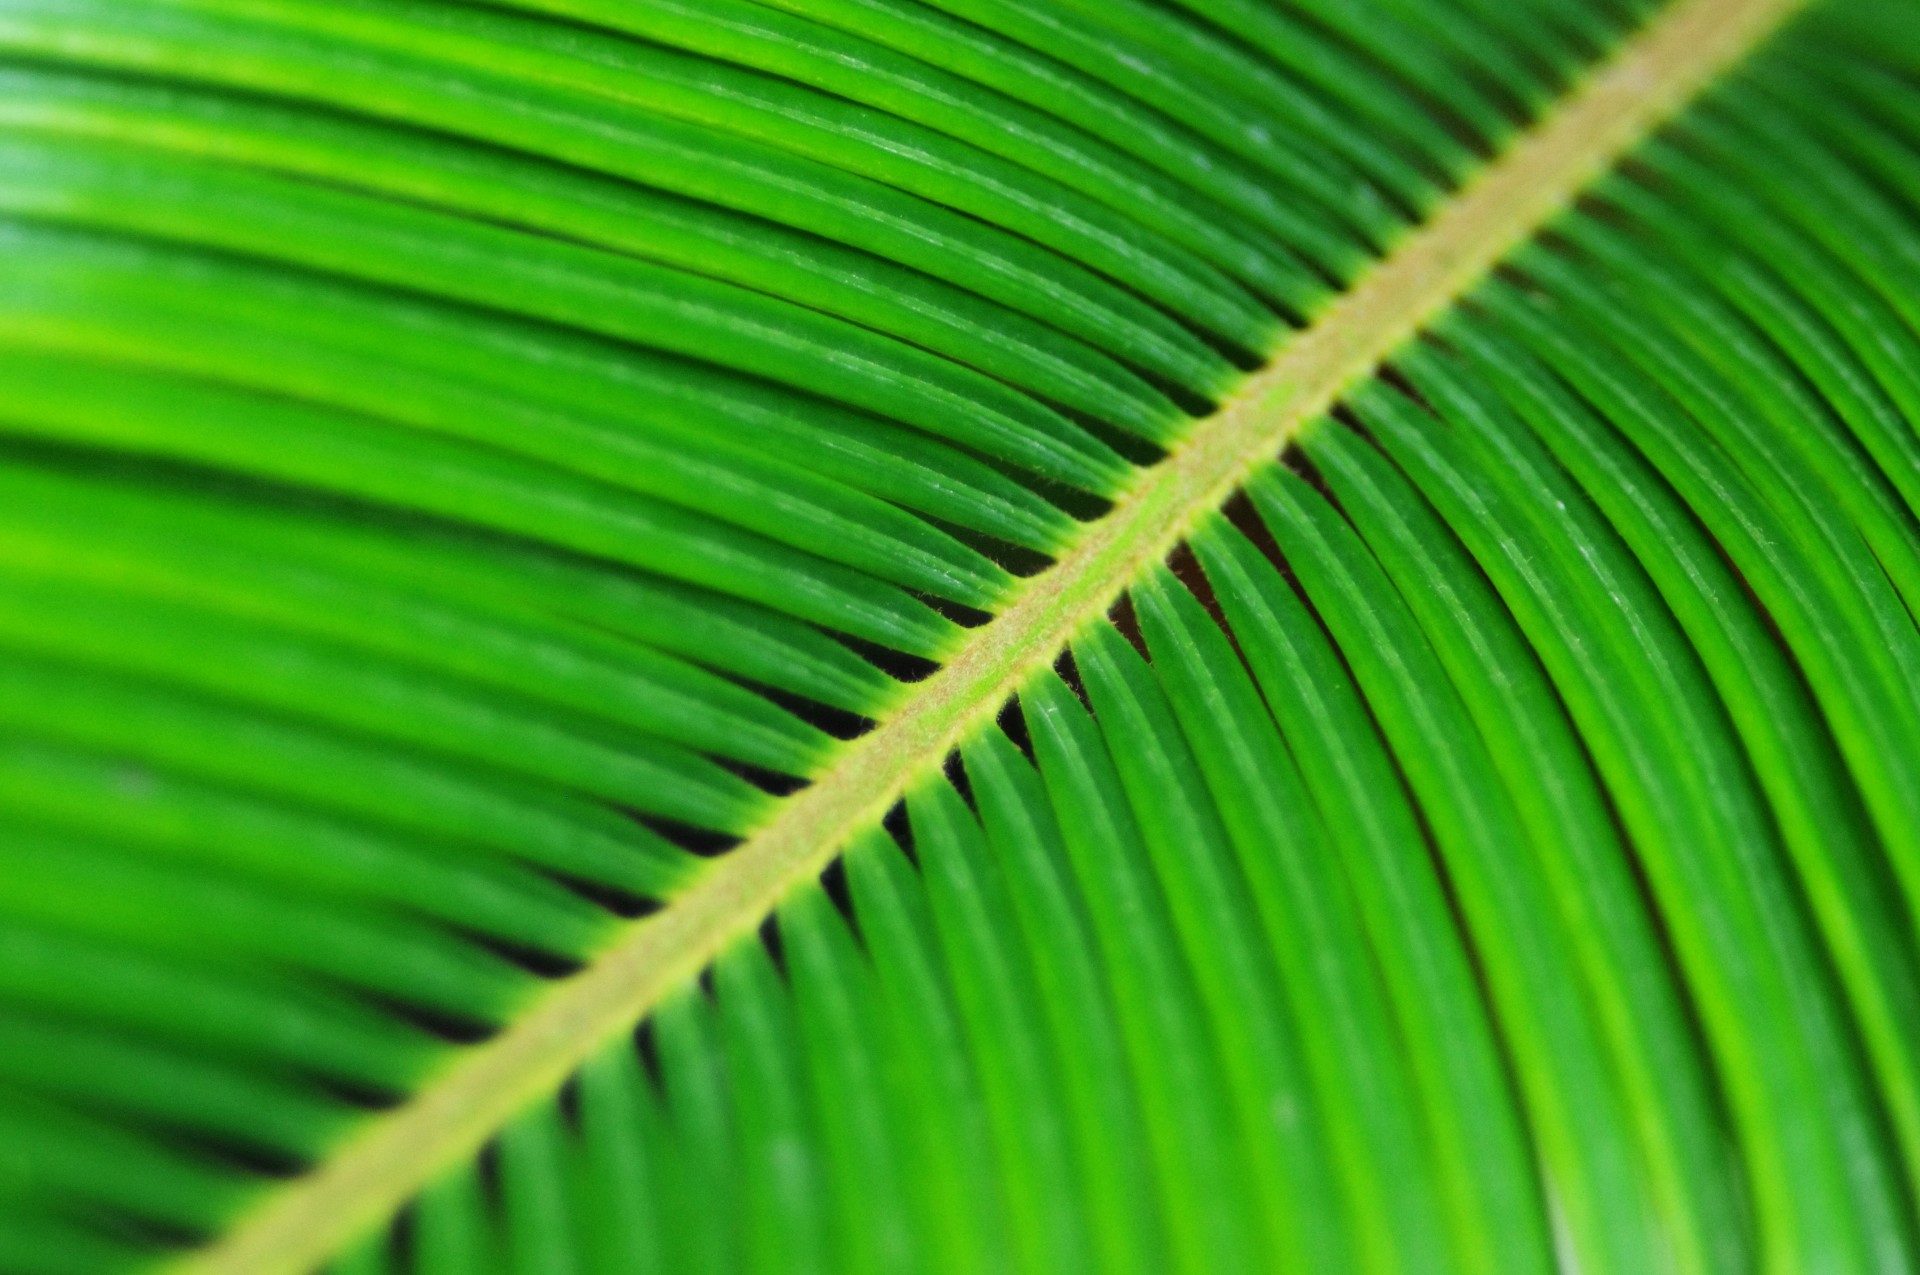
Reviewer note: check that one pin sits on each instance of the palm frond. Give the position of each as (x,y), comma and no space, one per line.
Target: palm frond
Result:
(861,635)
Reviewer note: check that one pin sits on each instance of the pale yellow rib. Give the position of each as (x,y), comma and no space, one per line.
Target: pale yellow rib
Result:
(482,1088)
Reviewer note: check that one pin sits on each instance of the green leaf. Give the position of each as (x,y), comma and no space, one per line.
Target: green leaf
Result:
(984,635)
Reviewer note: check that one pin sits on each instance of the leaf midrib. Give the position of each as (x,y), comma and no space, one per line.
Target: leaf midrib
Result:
(1651,77)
